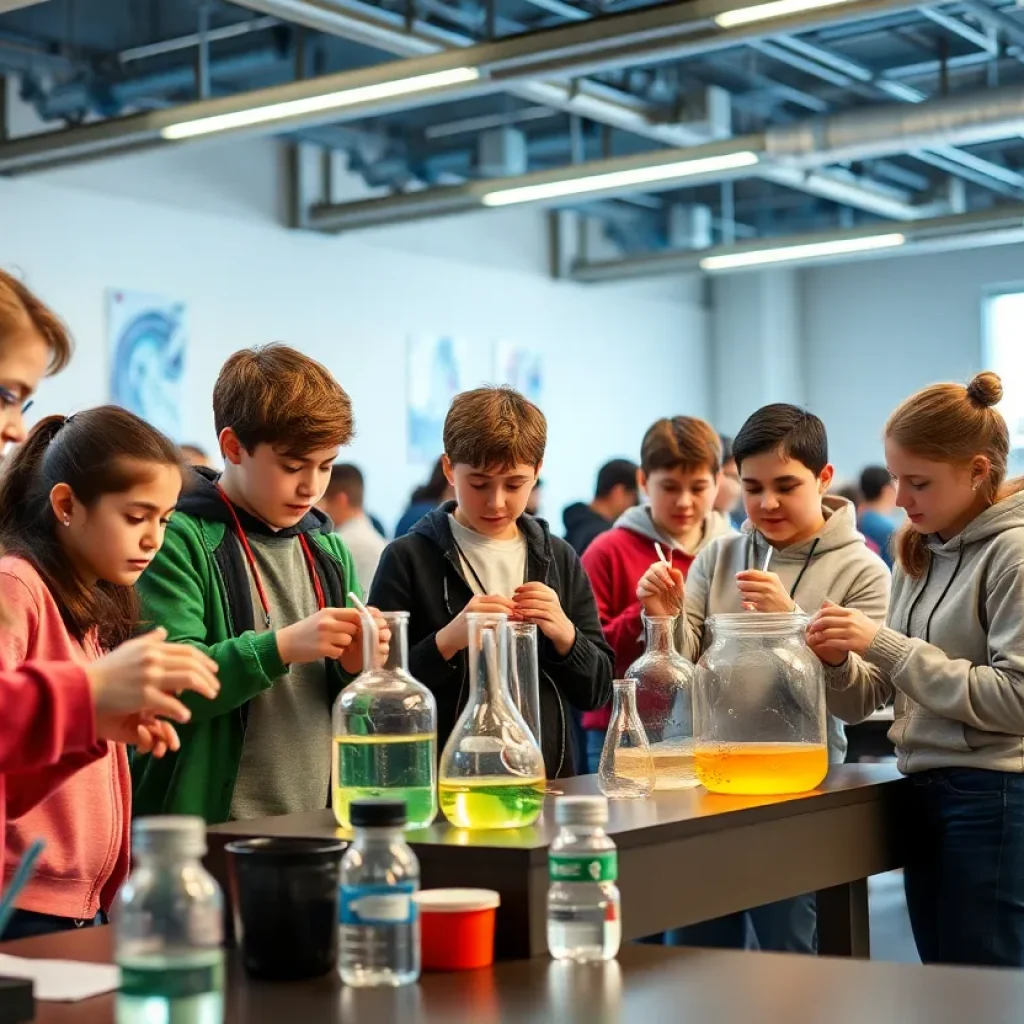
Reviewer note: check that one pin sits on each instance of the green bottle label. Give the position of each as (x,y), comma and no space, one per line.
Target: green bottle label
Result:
(588,867)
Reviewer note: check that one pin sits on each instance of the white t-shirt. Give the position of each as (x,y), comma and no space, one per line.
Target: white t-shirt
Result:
(499,564)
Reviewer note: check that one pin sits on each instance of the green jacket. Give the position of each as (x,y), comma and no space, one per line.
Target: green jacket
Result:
(197,588)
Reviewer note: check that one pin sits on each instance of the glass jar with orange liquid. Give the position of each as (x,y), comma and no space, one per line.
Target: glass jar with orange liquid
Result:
(759,707)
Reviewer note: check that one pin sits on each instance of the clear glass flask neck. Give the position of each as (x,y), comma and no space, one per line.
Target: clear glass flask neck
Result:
(660,634)
(488,659)
(398,652)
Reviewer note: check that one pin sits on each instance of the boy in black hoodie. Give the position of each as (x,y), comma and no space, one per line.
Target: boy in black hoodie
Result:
(483,553)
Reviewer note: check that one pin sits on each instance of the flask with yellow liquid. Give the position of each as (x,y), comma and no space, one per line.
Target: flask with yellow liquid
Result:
(759,707)
(492,771)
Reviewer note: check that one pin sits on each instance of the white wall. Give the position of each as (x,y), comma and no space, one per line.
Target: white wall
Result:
(197,225)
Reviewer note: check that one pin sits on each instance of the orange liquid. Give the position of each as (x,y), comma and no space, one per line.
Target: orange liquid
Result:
(761,769)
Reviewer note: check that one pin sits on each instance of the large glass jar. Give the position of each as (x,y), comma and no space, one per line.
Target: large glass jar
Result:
(759,707)
(385,733)
(664,686)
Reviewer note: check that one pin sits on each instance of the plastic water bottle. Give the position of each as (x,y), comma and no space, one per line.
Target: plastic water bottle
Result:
(169,928)
(584,914)
(380,935)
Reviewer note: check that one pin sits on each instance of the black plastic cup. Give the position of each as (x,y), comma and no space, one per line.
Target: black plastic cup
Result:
(285,898)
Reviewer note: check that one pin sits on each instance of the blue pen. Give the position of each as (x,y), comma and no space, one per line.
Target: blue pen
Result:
(26,868)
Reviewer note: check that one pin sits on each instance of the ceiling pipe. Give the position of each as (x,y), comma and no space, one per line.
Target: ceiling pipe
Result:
(1001,226)
(650,34)
(799,149)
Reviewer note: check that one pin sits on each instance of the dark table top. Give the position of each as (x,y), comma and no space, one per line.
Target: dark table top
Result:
(665,815)
(648,984)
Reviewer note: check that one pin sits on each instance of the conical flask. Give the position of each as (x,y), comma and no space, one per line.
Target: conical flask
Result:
(492,771)
(385,733)
(664,700)
(627,769)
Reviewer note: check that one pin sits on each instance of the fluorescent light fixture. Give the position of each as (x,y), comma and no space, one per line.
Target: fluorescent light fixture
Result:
(809,251)
(775,9)
(316,104)
(618,179)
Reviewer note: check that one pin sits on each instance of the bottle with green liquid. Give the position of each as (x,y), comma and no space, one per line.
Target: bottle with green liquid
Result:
(492,771)
(385,734)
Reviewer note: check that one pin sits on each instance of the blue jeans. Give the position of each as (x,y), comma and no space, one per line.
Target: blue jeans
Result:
(595,744)
(964,874)
(787,926)
(27,924)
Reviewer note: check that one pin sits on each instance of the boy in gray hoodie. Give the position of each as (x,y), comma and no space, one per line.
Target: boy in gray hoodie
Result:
(813,552)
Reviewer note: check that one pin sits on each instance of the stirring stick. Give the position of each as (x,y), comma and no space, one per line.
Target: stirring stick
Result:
(369,625)
(661,553)
(768,558)
(26,868)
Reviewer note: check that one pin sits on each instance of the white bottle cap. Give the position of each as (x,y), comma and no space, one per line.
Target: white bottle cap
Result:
(581,810)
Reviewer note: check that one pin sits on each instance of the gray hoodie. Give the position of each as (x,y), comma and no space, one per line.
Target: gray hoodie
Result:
(639,520)
(835,563)
(952,652)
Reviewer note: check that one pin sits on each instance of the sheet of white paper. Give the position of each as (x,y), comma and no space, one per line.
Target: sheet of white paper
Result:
(63,981)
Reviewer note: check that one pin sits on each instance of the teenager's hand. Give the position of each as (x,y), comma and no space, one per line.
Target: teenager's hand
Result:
(455,636)
(155,738)
(841,630)
(763,592)
(661,591)
(352,659)
(329,633)
(539,604)
(140,676)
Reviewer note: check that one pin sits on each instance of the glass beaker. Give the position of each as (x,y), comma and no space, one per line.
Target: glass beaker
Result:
(759,707)
(664,700)
(524,673)
(627,768)
(385,733)
(492,771)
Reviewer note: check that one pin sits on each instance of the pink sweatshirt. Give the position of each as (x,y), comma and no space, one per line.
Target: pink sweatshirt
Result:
(86,819)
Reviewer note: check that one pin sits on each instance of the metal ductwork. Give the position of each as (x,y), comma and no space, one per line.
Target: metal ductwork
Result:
(1003,226)
(800,148)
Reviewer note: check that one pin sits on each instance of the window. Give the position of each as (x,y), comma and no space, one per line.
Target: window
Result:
(1003,341)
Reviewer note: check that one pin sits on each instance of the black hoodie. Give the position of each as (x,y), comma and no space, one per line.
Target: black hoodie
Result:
(583,525)
(420,573)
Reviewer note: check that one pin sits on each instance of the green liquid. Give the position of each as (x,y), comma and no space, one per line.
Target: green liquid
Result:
(172,990)
(397,767)
(498,801)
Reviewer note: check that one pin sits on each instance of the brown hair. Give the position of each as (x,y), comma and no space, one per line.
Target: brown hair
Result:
(495,427)
(21,310)
(348,480)
(274,394)
(952,423)
(683,442)
(101,451)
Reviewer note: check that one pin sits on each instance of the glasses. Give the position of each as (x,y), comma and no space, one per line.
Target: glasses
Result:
(8,398)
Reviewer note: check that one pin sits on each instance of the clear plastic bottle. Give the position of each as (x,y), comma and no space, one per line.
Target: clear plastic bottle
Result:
(169,928)
(385,734)
(584,913)
(626,771)
(380,935)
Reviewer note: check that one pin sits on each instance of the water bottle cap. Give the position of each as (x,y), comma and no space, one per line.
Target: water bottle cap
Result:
(170,833)
(581,810)
(381,813)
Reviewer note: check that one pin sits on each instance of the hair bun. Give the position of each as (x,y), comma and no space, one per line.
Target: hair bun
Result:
(986,389)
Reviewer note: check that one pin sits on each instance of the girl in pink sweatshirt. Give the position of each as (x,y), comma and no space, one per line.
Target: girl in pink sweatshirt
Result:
(83,507)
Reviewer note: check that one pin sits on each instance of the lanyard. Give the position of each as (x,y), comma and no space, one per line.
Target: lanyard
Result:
(321,603)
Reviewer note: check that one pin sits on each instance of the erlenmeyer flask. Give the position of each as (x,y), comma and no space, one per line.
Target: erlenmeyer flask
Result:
(385,733)
(627,769)
(492,771)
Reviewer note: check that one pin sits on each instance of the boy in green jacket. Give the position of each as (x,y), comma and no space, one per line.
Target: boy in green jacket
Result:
(251,573)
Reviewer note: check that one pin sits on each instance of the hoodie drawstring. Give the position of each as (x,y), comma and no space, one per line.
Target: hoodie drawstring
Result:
(942,596)
(752,550)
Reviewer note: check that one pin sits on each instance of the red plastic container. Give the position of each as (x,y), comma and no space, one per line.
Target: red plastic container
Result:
(457,928)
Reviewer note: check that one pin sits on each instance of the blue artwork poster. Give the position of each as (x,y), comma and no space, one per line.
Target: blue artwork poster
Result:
(436,374)
(521,367)
(148,339)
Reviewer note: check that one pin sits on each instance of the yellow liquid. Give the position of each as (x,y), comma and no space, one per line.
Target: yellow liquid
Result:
(673,764)
(496,801)
(761,769)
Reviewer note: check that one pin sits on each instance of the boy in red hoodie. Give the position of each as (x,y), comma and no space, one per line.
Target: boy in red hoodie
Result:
(679,463)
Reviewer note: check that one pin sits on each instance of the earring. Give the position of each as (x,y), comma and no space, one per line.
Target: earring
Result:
(975,487)
(67,520)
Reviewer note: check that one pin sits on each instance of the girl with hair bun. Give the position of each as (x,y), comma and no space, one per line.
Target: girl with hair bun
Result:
(952,655)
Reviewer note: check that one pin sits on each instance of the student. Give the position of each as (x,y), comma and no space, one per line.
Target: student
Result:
(728,500)
(83,507)
(616,491)
(876,510)
(196,456)
(425,499)
(482,553)
(815,554)
(343,503)
(252,574)
(679,463)
(952,655)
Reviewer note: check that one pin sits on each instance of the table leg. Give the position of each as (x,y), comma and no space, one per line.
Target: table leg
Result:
(843,921)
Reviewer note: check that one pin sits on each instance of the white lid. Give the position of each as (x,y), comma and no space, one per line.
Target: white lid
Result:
(581,810)
(454,901)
